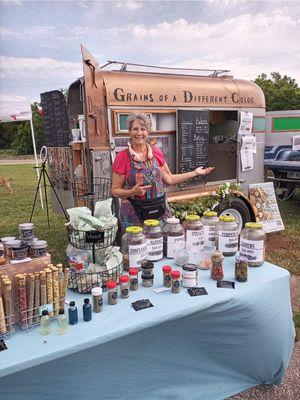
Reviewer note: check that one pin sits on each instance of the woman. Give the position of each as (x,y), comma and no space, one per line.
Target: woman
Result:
(139,173)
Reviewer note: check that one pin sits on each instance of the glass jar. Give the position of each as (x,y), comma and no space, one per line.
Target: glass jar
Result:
(154,237)
(147,268)
(97,299)
(26,230)
(124,286)
(194,236)
(19,253)
(241,269)
(175,281)
(167,269)
(112,294)
(173,236)
(227,235)
(133,276)
(205,257)
(252,244)
(134,247)
(189,275)
(216,272)
(11,243)
(209,221)
(147,281)
(38,248)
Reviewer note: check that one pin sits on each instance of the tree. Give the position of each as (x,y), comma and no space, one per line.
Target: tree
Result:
(281,92)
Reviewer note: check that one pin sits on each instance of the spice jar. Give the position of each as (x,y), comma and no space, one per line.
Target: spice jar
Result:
(147,268)
(12,243)
(124,286)
(4,241)
(209,221)
(194,236)
(154,238)
(38,248)
(189,275)
(173,236)
(19,253)
(227,235)
(175,275)
(26,230)
(112,292)
(133,276)
(147,281)
(252,244)
(97,299)
(167,275)
(134,247)
(216,272)
(241,269)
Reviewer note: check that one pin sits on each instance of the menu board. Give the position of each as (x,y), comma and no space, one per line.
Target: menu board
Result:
(192,142)
(56,123)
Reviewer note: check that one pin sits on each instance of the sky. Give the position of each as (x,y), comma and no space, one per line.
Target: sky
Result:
(40,40)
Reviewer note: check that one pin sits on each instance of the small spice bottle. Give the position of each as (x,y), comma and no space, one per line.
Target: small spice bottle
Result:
(167,269)
(216,272)
(147,268)
(209,221)
(97,299)
(252,244)
(173,236)
(124,286)
(227,235)
(154,237)
(147,281)
(241,269)
(112,292)
(189,275)
(175,281)
(133,276)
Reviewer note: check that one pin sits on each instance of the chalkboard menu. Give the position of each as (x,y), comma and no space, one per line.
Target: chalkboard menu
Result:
(56,123)
(192,142)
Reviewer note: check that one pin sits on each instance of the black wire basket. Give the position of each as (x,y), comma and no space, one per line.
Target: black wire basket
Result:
(98,189)
(84,282)
(92,240)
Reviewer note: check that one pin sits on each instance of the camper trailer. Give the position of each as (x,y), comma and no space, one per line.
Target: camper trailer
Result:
(195,118)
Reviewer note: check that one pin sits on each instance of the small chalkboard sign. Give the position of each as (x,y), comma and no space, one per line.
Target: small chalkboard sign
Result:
(192,142)
(94,237)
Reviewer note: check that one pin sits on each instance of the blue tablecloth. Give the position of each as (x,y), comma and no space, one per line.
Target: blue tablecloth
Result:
(204,348)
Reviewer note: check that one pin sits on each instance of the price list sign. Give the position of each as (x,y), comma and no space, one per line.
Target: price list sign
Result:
(192,142)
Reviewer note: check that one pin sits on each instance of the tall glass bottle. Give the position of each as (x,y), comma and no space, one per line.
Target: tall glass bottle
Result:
(45,323)
(62,325)
(73,314)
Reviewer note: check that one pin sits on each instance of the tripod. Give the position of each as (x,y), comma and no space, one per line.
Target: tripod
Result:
(44,175)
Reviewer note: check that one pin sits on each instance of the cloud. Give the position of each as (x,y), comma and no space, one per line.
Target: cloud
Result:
(35,32)
(130,5)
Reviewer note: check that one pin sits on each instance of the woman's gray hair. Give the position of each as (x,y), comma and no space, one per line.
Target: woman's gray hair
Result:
(138,116)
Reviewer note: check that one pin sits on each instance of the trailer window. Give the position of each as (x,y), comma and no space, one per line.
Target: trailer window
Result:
(259,124)
(161,122)
(286,124)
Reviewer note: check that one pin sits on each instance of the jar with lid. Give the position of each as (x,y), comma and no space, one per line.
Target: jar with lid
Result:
(147,268)
(189,275)
(4,240)
(194,236)
(97,299)
(216,272)
(19,253)
(252,244)
(134,247)
(26,230)
(124,286)
(167,279)
(9,244)
(227,235)
(2,254)
(112,292)
(209,221)
(173,236)
(147,281)
(38,248)
(175,281)
(134,278)
(241,269)
(154,237)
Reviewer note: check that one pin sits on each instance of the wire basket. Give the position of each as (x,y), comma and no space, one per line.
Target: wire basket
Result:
(98,189)
(92,240)
(84,282)
(9,327)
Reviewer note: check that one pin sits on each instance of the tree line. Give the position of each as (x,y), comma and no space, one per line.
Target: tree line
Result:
(281,93)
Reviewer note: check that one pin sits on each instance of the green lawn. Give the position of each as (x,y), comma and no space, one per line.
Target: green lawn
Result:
(282,248)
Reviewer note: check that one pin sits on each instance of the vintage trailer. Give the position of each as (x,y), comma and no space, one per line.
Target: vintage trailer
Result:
(195,121)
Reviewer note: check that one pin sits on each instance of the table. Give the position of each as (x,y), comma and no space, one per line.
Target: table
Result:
(204,348)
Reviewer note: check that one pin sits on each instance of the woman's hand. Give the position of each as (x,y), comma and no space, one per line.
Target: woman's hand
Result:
(139,189)
(204,171)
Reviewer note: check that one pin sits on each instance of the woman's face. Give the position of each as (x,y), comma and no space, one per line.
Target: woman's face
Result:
(138,132)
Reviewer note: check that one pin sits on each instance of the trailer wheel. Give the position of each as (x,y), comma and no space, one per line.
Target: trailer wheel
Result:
(238,209)
(283,190)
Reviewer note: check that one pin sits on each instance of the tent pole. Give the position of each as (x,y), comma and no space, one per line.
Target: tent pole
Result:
(36,162)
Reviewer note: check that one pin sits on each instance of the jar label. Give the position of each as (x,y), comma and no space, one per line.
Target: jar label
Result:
(196,240)
(209,235)
(253,250)
(173,243)
(189,274)
(137,254)
(155,249)
(228,241)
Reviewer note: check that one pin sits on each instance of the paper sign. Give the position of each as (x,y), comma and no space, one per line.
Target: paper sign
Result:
(248,143)
(246,160)
(245,127)
(264,203)
(161,289)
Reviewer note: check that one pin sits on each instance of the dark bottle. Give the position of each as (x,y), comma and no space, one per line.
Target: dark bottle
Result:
(87,310)
(72,312)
